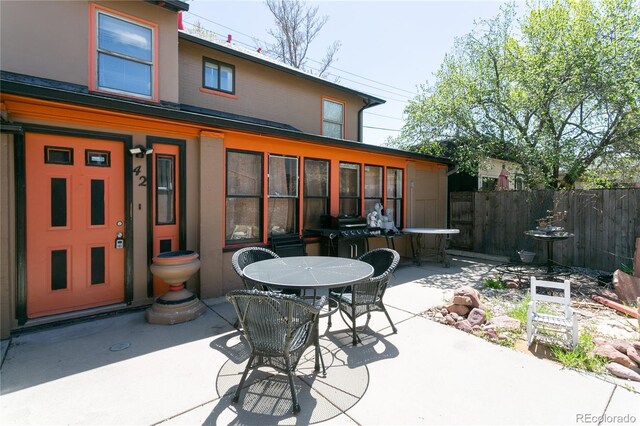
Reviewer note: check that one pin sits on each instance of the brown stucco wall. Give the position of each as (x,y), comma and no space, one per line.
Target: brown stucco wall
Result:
(263,92)
(27,49)
(7,235)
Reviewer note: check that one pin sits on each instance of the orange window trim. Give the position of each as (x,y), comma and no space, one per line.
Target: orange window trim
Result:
(217,93)
(344,114)
(92,56)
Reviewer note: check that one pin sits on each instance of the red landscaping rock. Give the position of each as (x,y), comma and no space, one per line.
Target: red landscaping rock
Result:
(621,345)
(476,317)
(470,292)
(505,322)
(614,355)
(458,309)
(633,354)
(462,300)
(623,372)
(464,325)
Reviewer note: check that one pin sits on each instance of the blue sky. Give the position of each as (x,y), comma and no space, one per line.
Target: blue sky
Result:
(388,48)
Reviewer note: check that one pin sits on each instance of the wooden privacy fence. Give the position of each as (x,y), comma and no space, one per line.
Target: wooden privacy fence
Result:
(605,224)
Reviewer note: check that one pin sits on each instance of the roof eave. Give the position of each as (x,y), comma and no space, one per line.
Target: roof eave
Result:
(96,101)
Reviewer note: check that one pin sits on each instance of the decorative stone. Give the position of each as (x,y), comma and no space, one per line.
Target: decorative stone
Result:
(444,312)
(470,292)
(458,309)
(614,355)
(491,333)
(621,345)
(462,300)
(623,372)
(449,320)
(464,325)
(633,354)
(599,341)
(477,316)
(476,328)
(438,316)
(506,323)
(636,345)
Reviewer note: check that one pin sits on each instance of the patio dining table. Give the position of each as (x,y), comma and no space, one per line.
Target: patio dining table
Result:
(308,272)
(441,242)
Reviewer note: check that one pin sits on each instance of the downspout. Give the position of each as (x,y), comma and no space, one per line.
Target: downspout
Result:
(367,103)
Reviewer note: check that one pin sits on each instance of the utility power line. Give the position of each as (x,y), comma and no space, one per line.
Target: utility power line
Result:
(407,97)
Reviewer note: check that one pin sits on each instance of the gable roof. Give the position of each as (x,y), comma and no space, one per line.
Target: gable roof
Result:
(259,58)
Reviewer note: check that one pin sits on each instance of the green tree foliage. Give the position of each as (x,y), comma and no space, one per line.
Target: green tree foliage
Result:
(557,91)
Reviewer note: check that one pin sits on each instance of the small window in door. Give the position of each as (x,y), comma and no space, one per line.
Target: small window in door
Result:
(58,155)
(165,190)
(97,158)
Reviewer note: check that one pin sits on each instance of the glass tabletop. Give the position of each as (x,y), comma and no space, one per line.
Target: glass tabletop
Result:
(308,271)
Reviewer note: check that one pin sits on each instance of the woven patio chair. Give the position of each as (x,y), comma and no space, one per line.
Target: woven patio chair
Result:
(366,297)
(247,256)
(279,328)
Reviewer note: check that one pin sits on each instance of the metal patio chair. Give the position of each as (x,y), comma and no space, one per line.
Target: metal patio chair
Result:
(543,323)
(366,297)
(279,328)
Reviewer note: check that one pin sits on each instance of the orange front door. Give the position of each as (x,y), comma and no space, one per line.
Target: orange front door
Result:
(166,211)
(75,211)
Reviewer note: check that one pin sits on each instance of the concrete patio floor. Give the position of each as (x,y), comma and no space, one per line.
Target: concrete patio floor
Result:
(121,370)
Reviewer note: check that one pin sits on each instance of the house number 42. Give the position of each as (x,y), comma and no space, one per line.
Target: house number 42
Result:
(142,179)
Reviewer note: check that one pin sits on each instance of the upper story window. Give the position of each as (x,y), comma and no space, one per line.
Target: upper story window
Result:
(124,55)
(332,118)
(218,76)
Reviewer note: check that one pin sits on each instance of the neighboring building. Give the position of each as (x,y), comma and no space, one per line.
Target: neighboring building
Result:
(122,138)
(489,177)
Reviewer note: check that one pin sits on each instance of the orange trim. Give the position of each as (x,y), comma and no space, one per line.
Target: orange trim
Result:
(92,56)
(344,115)
(217,93)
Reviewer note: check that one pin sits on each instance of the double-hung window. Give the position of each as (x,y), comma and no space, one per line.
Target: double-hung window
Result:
(395,196)
(218,76)
(332,118)
(124,56)
(349,189)
(283,194)
(316,192)
(372,187)
(243,209)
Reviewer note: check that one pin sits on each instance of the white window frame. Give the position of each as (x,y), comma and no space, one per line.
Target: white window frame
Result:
(333,122)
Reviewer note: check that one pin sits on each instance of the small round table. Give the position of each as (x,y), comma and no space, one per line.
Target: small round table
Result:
(440,233)
(549,238)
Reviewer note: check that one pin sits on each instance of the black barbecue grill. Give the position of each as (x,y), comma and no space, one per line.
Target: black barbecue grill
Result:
(344,236)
